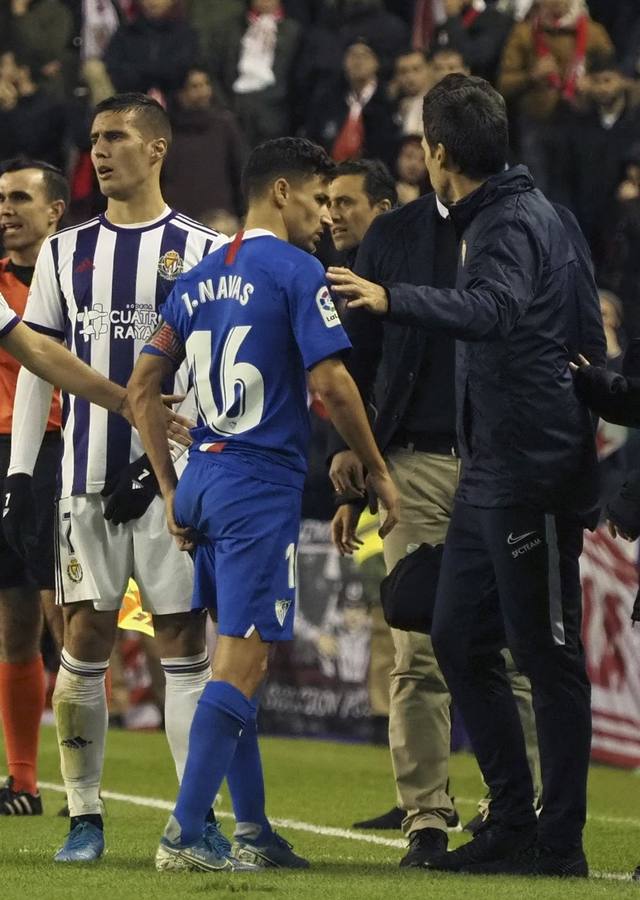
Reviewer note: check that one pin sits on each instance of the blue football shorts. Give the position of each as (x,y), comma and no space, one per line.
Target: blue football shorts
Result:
(245,559)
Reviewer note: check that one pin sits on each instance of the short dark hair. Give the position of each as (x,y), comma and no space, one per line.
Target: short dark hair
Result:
(412,51)
(446,50)
(151,114)
(56,185)
(378,183)
(469,118)
(286,157)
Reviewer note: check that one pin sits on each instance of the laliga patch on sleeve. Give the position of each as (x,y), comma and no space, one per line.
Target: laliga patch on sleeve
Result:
(326,307)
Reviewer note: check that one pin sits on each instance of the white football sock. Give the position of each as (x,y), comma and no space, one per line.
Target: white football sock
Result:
(80,707)
(186,678)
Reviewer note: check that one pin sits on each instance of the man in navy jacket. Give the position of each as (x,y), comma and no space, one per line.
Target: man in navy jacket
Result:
(510,568)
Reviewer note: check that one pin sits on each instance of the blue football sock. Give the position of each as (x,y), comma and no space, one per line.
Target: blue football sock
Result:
(220,716)
(246,786)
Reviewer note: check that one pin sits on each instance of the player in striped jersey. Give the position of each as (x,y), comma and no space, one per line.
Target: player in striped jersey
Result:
(99,287)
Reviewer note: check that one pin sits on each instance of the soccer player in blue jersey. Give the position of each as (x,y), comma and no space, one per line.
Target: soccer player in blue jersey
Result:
(99,287)
(251,320)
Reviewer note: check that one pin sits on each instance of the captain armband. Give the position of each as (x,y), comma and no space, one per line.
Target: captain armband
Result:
(166,341)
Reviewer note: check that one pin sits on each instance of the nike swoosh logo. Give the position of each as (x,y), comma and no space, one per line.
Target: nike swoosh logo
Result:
(516,540)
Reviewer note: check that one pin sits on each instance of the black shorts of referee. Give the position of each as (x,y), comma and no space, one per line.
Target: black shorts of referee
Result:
(37,570)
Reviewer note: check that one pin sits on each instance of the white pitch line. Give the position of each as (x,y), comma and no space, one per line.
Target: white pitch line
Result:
(156,803)
(294,825)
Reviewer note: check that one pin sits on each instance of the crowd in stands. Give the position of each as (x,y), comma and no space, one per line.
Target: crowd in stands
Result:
(351,75)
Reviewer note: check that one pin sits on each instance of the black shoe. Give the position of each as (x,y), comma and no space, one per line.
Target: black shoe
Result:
(636,875)
(538,860)
(18,803)
(453,819)
(492,843)
(388,821)
(425,844)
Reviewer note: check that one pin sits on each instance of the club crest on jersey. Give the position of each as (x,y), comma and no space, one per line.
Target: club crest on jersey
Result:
(170,265)
(282,608)
(327,309)
(74,570)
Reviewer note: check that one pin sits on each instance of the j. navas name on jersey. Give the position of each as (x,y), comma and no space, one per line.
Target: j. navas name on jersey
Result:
(228,287)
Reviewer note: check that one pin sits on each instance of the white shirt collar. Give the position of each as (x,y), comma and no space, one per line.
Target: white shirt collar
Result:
(442,209)
(256,232)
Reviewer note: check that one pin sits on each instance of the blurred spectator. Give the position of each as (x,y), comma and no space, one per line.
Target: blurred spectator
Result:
(221,220)
(211,19)
(447,61)
(383,30)
(623,263)
(412,81)
(154,51)
(41,32)
(543,62)
(354,118)
(611,308)
(477,30)
(260,54)
(100,21)
(32,121)
(412,178)
(339,24)
(204,163)
(427,15)
(595,144)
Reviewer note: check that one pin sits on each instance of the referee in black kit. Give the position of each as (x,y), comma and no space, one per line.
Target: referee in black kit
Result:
(510,568)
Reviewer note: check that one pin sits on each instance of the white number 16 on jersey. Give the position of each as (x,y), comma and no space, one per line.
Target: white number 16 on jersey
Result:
(241,384)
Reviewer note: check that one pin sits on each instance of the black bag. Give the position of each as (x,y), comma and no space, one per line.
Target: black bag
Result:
(408,593)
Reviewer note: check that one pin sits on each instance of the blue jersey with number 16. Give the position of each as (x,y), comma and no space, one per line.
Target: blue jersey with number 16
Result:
(251,318)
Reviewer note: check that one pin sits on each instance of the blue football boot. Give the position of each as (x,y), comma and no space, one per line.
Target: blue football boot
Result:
(84,843)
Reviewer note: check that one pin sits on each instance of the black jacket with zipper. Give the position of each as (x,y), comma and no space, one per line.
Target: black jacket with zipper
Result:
(524,437)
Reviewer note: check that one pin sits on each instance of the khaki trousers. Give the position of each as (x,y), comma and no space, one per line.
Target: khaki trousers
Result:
(419,720)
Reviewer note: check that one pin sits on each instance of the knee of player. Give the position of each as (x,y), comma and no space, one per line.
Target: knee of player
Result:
(180,634)
(90,637)
(244,674)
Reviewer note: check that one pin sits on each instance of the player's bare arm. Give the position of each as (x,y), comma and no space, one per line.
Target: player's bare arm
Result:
(337,389)
(52,362)
(145,397)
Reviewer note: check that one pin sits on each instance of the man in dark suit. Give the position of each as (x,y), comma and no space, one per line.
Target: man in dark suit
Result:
(510,567)
(413,376)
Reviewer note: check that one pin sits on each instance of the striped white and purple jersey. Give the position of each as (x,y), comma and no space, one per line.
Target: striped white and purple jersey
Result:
(100,288)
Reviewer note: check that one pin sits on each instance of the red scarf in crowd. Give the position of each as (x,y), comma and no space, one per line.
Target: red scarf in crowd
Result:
(469,16)
(567,84)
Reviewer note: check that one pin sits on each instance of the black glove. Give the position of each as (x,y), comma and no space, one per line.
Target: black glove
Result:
(597,387)
(19,523)
(130,492)
(624,510)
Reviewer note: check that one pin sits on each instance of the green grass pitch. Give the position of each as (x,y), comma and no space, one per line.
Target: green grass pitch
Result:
(309,783)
